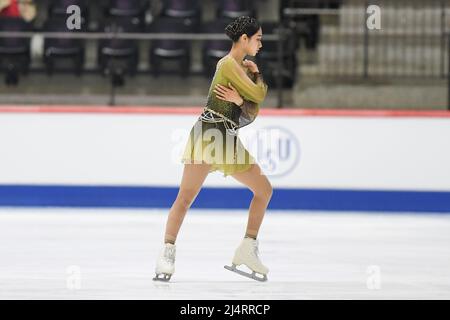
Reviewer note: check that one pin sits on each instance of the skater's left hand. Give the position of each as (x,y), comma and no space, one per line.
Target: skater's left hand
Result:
(249,64)
(228,94)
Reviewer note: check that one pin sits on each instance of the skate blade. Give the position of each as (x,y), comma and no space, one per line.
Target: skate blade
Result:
(246,274)
(164,278)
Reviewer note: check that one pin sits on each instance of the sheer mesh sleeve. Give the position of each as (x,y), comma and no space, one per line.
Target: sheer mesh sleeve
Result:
(249,112)
(249,109)
(248,89)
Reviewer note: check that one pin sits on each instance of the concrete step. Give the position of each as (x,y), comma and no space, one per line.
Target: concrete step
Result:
(395,59)
(388,54)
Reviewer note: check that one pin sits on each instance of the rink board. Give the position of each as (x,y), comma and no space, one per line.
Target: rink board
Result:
(393,161)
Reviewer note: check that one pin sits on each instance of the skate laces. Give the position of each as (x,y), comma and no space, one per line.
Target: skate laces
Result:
(255,247)
(169,254)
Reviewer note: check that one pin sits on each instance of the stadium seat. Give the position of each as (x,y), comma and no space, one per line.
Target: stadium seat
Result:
(182,9)
(232,9)
(119,55)
(214,50)
(169,49)
(63,49)
(14,52)
(134,9)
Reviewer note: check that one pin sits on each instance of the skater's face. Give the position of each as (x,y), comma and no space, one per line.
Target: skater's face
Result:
(253,44)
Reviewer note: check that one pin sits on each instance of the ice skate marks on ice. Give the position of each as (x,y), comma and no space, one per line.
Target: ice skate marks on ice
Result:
(246,274)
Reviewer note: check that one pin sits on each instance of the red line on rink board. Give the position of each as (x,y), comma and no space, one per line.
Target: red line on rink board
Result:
(189,110)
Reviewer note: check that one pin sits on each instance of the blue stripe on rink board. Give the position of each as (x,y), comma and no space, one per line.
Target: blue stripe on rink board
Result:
(224,198)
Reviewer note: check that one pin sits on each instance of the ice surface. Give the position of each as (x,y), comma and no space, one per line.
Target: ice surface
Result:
(61,253)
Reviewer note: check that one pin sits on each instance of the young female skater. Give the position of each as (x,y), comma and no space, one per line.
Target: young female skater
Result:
(233,101)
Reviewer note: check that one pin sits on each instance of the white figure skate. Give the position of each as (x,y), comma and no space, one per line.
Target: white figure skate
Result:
(247,254)
(165,266)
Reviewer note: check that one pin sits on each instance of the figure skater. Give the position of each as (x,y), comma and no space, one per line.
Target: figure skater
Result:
(235,94)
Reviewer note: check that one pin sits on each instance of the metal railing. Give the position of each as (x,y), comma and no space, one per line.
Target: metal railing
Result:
(278,37)
(410,43)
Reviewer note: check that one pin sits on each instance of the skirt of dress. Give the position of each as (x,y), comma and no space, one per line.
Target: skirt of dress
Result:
(212,144)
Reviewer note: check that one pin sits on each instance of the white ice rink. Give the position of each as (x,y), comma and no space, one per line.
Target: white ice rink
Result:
(110,254)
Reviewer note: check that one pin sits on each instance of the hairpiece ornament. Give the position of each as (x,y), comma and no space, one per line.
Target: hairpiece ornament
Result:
(238,26)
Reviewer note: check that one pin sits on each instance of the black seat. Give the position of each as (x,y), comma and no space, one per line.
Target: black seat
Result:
(235,8)
(214,50)
(182,9)
(14,52)
(121,55)
(63,49)
(134,9)
(170,49)
(267,58)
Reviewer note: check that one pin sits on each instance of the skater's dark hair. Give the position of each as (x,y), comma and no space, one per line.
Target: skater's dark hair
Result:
(243,24)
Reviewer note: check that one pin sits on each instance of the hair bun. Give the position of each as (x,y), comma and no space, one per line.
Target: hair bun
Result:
(237,27)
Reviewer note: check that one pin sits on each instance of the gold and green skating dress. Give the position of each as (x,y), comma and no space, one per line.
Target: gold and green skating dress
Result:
(214,137)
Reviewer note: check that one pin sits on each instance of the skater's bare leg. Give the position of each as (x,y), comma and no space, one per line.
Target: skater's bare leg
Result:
(258,183)
(191,182)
